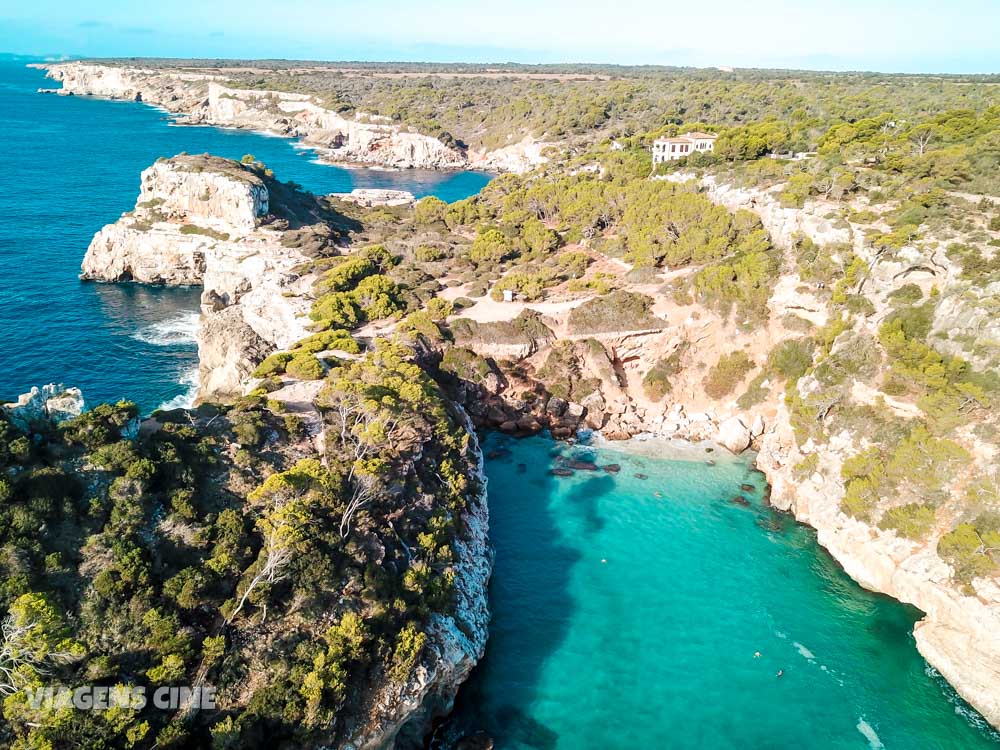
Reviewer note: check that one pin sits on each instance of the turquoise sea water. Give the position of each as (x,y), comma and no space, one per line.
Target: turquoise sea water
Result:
(651,649)
(626,614)
(69,165)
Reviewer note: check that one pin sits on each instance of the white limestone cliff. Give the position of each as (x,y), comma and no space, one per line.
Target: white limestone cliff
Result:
(197,222)
(51,403)
(203,99)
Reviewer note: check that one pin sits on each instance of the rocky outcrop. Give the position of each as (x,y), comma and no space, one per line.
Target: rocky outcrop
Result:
(200,221)
(456,642)
(735,435)
(519,157)
(203,99)
(371,197)
(959,634)
(49,404)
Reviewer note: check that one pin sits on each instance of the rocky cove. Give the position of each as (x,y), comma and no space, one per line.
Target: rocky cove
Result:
(209,224)
(254,302)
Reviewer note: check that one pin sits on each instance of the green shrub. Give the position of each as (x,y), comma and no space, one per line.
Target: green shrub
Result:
(430,254)
(806,467)
(913,520)
(465,364)
(409,646)
(657,382)
(273,365)
(727,373)
(204,231)
(791,358)
(333,340)
(972,549)
(908,294)
(489,248)
(305,366)
(619,311)
(337,310)
(429,210)
(755,392)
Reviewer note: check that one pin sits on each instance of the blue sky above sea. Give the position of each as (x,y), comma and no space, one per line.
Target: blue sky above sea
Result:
(918,36)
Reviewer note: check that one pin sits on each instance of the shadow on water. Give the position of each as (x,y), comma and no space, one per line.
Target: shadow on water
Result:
(531,575)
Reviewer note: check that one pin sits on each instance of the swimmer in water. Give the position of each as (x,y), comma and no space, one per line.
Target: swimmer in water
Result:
(658,494)
(756,654)
(780,672)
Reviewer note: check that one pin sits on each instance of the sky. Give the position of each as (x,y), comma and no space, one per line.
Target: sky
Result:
(918,36)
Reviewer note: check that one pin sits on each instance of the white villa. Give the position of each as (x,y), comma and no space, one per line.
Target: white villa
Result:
(668,149)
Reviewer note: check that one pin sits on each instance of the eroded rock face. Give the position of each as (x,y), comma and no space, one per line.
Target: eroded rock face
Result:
(51,403)
(456,642)
(959,634)
(198,222)
(203,99)
(191,190)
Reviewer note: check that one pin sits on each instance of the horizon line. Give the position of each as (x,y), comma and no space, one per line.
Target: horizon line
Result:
(722,68)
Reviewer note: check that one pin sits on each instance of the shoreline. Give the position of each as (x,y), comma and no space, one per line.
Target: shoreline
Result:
(392,147)
(322,154)
(867,555)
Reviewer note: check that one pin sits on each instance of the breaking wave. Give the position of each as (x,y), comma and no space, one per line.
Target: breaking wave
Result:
(180,329)
(186,399)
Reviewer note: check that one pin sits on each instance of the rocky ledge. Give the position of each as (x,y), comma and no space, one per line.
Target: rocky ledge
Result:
(209,222)
(456,642)
(203,99)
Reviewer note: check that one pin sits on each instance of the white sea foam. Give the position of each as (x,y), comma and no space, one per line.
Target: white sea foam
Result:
(804,651)
(186,399)
(869,732)
(180,329)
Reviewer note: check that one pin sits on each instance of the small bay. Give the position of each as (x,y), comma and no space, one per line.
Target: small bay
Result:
(627,612)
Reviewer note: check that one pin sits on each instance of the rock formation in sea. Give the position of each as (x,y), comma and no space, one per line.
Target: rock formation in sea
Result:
(50,403)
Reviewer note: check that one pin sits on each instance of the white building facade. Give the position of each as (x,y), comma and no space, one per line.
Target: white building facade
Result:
(668,149)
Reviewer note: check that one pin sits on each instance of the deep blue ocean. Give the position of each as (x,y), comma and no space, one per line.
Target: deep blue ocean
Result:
(626,611)
(70,165)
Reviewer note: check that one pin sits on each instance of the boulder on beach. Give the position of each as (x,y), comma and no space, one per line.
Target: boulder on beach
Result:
(734,435)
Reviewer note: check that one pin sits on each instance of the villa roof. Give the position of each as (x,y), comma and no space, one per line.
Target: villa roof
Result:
(687,137)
